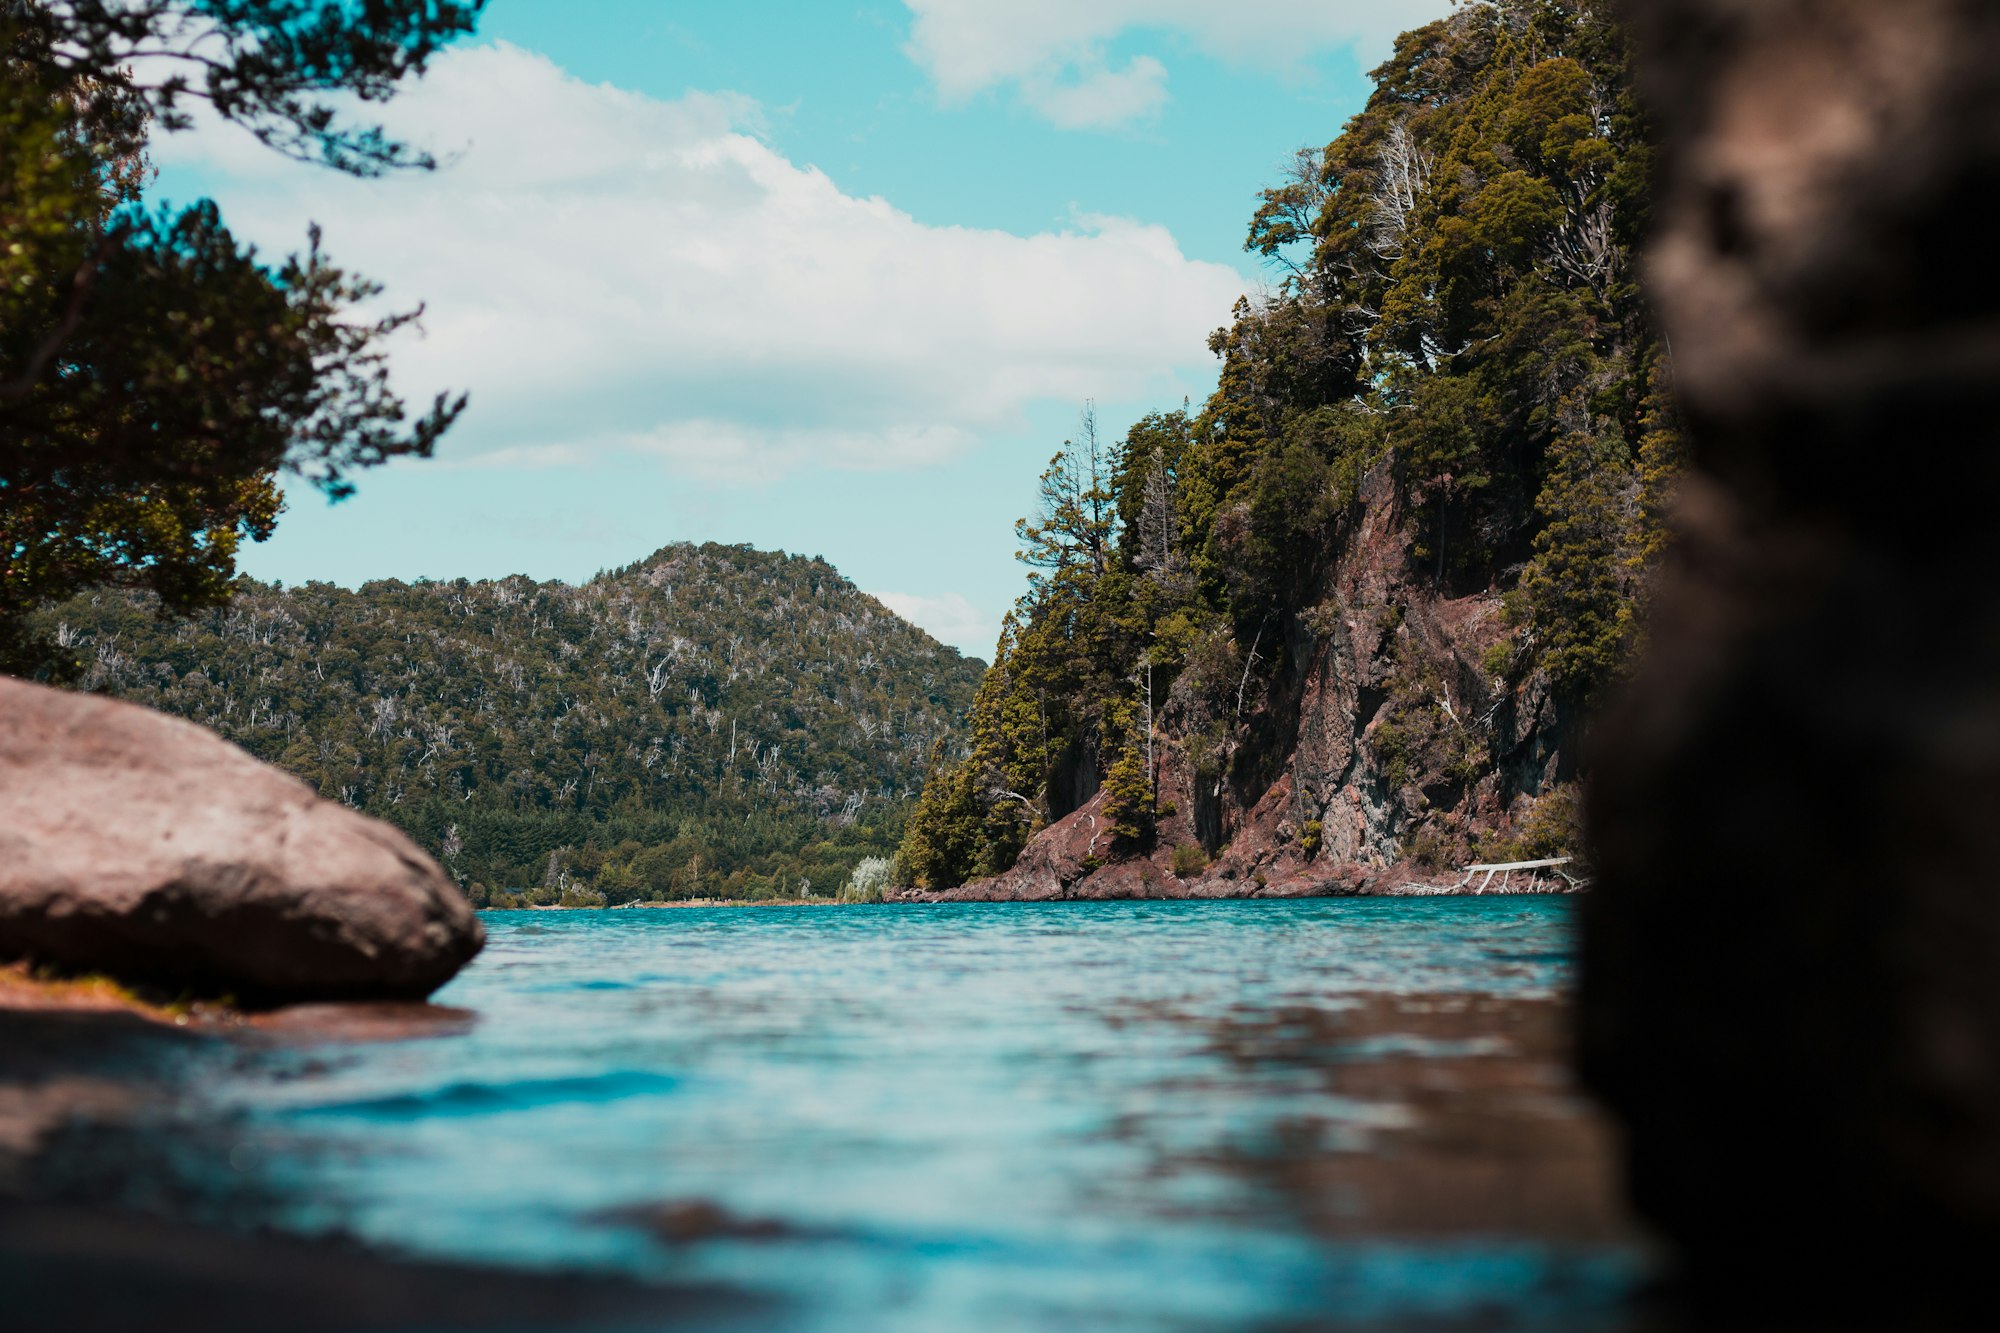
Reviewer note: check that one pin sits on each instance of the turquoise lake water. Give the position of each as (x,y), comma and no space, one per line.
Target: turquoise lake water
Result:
(977,1117)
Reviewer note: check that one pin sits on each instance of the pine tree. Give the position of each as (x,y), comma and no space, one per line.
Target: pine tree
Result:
(1578,590)
(941,844)
(1076,522)
(1129,802)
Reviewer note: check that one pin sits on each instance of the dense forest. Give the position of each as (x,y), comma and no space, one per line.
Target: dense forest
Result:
(713,721)
(1356,601)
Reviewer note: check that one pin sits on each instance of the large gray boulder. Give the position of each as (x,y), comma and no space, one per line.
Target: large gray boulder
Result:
(146,847)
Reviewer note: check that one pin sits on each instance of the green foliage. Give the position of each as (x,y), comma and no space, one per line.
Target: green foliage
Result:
(1458,339)
(872,877)
(942,843)
(1078,518)
(1421,733)
(1290,502)
(1084,662)
(578,895)
(1662,459)
(1578,591)
(1189,859)
(1310,834)
(711,722)
(1553,827)
(1128,792)
(155,375)
(1429,847)
(287,71)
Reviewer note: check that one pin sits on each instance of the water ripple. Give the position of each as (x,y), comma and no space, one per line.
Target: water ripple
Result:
(985,1117)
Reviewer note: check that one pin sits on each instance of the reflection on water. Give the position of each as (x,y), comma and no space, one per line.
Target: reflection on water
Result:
(993,1117)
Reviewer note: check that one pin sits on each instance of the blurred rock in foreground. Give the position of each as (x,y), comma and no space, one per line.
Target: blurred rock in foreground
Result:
(63,1270)
(1791,988)
(145,847)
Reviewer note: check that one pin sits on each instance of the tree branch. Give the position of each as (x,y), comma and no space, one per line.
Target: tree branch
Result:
(72,316)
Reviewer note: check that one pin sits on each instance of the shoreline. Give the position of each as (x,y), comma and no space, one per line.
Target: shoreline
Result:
(1056,877)
(679,902)
(1253,893)
(981,892)
(27,994)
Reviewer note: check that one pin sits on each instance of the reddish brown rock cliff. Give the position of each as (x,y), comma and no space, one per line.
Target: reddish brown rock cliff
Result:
(1388,733)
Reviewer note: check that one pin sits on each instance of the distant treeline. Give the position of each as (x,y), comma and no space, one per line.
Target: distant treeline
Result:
(711,722)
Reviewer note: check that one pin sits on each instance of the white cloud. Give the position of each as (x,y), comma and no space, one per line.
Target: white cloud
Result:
(732,451)
(1053,51)
(948,618)
(607,271)
(1099,97)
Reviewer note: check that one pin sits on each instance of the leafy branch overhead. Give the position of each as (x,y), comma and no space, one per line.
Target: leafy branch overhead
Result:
(288,71)
(156,375)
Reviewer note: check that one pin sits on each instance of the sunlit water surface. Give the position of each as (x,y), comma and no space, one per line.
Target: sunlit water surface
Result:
(977,1117)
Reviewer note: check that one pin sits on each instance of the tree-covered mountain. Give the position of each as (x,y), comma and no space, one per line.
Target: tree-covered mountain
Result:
(713,721)
(1345,616)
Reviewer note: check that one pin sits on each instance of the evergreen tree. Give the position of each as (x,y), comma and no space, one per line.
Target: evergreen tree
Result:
(941,846)
(1077,519)
(1578,590)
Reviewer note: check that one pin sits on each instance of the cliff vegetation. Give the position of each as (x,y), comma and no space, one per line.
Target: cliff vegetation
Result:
(1344,616)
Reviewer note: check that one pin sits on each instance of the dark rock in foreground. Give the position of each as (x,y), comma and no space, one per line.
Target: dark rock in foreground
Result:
(143,846)
(69,1269)
(106,1225)
(1791,963)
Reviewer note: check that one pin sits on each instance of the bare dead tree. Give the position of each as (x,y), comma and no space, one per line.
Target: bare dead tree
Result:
(1159,552)
(1248,663)
(1402,172)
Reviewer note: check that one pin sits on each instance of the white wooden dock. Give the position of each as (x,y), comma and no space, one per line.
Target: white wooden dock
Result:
(1506,869)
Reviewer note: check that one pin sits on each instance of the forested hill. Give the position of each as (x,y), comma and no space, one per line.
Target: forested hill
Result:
(712,721)
(1344,619)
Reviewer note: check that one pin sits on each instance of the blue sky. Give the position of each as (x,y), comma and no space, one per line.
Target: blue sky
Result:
(832,278)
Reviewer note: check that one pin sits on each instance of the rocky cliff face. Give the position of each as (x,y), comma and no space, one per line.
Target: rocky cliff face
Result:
(1380,750)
